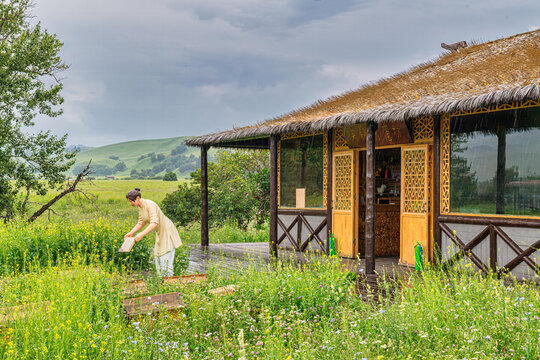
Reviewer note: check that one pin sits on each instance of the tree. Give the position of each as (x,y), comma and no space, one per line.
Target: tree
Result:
(241,186)
(183,206)
(119,167)
(29,86)
(238,189)
(170,176)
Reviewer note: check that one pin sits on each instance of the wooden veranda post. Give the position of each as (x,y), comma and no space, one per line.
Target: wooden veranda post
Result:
(330,146)
(204,196)
(273,194)
(370,197)
(501,169)
(437,244)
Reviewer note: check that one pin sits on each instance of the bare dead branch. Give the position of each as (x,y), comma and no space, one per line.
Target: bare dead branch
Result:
(71,188)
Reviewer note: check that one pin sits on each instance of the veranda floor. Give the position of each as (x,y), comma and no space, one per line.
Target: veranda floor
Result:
(235,256)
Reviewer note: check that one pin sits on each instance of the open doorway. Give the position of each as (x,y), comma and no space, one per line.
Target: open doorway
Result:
(387,202)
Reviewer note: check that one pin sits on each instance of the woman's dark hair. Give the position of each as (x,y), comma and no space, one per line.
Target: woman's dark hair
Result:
(133,194)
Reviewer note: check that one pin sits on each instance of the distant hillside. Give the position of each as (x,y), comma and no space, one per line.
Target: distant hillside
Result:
(141,158)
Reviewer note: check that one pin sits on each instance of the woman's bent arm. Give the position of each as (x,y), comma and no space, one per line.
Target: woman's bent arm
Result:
(145,232)
(134,230)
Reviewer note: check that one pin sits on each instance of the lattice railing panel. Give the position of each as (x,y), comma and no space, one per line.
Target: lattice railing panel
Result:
(414,181)
(339,140)
(343,182)
(445,163)
(423,128)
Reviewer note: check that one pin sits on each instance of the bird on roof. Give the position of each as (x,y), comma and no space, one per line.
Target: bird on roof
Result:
(454,46)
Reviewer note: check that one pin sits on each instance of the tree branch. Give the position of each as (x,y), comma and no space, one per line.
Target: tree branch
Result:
(25,199)
(68,190)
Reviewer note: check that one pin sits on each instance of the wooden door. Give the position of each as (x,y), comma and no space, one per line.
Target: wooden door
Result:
(414,201)
(344,225)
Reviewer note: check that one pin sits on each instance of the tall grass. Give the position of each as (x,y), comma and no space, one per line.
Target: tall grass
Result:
(71,271)
(24,246)
(283,311)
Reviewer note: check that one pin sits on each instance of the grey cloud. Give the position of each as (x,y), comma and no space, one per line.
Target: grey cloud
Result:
(144,69)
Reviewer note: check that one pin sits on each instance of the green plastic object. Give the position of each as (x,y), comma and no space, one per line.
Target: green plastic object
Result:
(418,263)
(332,245)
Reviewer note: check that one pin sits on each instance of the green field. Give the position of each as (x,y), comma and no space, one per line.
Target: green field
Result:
(108,200)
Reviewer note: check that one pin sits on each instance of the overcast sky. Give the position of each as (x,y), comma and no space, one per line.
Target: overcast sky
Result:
(143,69)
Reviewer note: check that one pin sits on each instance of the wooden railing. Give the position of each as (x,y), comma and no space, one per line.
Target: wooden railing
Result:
(300,220)
(494,231)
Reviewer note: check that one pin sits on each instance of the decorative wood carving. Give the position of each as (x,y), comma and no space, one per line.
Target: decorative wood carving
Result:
(445,163)
(388,133)
(343,182)
(414,181)
(340,144)
(423,129)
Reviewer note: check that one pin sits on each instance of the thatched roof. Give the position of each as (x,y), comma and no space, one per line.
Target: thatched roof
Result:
(499,71)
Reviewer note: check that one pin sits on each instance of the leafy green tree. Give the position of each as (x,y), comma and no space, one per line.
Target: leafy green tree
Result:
(29,86)
(183,205)
(170,176)
(121,166)
(238,191)
(238,186)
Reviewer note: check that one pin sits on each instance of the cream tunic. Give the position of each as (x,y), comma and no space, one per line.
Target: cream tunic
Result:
(166,232)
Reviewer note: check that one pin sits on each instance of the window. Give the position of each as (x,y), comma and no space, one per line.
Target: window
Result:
(495,163)
(301,167)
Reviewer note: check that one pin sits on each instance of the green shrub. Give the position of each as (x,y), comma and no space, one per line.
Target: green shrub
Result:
(170,176)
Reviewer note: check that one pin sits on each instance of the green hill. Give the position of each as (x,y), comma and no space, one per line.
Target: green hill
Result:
(141,158)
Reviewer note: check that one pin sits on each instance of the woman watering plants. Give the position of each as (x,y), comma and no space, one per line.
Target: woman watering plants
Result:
(167,237)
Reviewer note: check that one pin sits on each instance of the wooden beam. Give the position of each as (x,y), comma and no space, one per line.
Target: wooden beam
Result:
(492,248)
(313,234)
(286,232)
(305,212)
(329,164)
(204,196)
(501,169)
(437,243)
(486,220)
(273,195)
(466,249)
(370,198)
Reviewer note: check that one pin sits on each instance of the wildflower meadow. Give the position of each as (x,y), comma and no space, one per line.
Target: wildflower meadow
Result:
(62,286)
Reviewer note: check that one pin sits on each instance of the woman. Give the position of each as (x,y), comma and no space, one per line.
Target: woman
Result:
(167,237)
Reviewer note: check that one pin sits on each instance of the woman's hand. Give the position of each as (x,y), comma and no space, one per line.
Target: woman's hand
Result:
(128,235)
(139,237)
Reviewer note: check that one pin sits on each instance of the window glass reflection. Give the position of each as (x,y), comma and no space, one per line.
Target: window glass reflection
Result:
(495,163)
